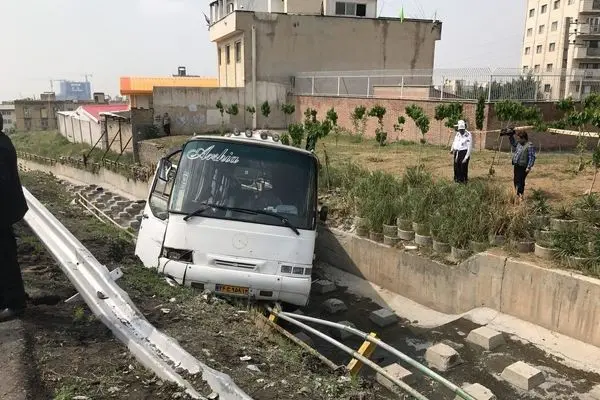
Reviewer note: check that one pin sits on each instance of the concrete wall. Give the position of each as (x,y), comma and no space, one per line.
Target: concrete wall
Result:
(560,301)
(80,129)
(193,110)
(287,44)
(108,179)
(119,134)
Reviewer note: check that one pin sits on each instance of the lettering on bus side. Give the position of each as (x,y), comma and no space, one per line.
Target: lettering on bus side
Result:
(225,156)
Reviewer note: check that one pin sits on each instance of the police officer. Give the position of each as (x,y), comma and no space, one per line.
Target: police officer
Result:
(12,209)
(461,150)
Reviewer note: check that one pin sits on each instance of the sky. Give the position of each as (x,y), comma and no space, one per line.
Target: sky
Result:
(67,39)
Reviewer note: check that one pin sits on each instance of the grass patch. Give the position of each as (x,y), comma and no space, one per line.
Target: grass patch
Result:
(52,144)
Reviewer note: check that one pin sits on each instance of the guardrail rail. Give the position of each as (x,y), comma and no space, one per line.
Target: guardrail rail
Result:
(152,348)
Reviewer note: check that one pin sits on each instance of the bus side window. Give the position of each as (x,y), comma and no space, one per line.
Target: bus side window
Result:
(159,198)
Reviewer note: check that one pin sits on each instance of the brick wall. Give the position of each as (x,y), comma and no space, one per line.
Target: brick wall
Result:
(438,134)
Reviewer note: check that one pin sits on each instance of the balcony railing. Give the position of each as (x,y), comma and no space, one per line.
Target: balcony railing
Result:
(590,6)
(587,29)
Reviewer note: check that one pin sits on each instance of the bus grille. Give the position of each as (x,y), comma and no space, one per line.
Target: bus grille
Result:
(234,264)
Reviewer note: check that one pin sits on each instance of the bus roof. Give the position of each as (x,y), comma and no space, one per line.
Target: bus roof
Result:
(266,140)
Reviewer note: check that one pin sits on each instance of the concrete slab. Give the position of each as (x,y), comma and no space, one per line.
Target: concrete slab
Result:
(523,375)
(441,357)
(479,392)
(323,286)
(340,333)
(383,317)
(398,372)
(305,338)
(485,337)
(334,306)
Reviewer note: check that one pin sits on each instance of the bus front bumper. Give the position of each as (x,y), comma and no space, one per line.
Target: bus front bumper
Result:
(239,283)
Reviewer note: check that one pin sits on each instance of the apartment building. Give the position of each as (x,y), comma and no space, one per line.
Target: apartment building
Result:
(272,40)
(561,44)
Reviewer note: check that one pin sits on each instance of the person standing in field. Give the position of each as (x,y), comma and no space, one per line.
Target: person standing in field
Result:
(523,160)
(167,124)
(461,151)
(13,208)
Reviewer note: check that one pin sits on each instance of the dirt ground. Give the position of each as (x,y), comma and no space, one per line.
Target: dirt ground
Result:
(554,172)
(70,353)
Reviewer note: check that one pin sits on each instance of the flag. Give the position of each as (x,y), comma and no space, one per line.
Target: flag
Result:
(402,14)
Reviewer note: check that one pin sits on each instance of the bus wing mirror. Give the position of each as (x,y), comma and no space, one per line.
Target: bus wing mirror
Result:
(164,169)
(323,213)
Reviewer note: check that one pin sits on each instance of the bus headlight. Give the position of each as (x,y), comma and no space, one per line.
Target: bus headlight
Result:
(177,255)
(298,271)
(248,133)
(275,137)
(286,269)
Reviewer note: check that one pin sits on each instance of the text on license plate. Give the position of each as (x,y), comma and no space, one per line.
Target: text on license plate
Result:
(227,289)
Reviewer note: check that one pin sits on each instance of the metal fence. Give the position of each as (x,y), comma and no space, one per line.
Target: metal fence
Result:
(447,84)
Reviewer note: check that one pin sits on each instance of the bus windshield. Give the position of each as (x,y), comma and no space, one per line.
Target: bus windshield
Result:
(248,177)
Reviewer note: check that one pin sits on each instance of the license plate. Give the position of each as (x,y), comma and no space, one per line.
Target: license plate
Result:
(227,289)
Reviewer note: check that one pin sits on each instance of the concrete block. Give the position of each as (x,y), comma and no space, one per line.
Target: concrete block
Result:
(523,376)
(398,372)
(333,306)
(135,225)
(305,338)
(441,357)
(383,317)
(594,394)
(323,286)
(486,337)
(479,392)
(342,334)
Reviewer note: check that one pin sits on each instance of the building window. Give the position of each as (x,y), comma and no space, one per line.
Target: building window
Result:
(219,54)
(549,67)
(571,2)
(554,26)
(538,49)
(544,9)
(529,32)
(351,9)
(541,28)
(536,68)
(557,4)
(27,112)
(44,122)
(552,47)
(230,8)
(238,52)
(527,50)
(525,68)
(228,54)
(531,13)
(547,88)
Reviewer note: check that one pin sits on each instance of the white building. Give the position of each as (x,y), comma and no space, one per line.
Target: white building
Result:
(562,43)
(7,110)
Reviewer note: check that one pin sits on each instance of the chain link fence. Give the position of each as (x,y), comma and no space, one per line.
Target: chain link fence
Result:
(448,84)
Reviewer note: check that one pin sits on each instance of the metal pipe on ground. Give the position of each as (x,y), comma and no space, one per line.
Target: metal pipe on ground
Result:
(355,354)
(263,321)
(426,371)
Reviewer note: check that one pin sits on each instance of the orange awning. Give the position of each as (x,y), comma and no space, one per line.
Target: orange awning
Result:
(145,85)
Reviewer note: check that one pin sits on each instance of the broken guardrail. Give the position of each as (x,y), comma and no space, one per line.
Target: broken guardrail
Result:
(94,283)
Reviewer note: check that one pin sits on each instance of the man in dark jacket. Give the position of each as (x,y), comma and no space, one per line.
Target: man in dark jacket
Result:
(523,160)
(12,209)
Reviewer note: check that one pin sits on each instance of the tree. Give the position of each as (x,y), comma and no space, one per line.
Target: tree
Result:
(421,120)
(314,129)
(288,109)
(523,88)
(251,110)
(480,118)
(232,110)
(380,134)
(332,116)
(296,132)
(399,126)
(359,120)
(221,109)
(265,110)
